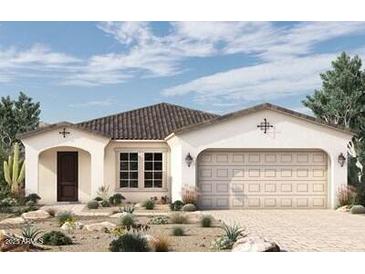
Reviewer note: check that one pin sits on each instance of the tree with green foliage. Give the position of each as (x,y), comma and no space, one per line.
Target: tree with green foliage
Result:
(341,101)
(17,116)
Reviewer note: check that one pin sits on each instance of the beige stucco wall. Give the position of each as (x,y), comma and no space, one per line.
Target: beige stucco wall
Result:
(289,132)
(112,151)
(47,187)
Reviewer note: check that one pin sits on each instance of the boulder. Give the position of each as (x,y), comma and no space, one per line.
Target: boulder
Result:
(100,226)
(189,207)
(36,215)
(255,244)
(357,209)
(345,208)
(13,221)
(119,215)
(69,226)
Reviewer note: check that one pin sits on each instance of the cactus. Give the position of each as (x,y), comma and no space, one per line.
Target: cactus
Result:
(14,170)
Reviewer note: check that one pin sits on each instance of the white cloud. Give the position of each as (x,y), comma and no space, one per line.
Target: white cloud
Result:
(263,81)
(96,103)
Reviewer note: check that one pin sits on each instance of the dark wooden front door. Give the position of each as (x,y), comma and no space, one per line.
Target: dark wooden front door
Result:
(67,176)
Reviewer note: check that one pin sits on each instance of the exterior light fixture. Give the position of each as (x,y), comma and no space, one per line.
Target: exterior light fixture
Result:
(189,159)
(341,159)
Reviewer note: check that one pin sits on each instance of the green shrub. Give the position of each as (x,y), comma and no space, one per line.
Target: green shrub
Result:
(222,243)
(8,202)
(159,220)
(127,220)
(206,221)
(233,232)
(105,203)
(177,205)
(360,197)
(129,242)
(65,216)
(31,234)
(56,238)
(178,218)
(178,231)
(189,207)
(357,209)
(34,197)
(128,209)
(99,199)
(116,199)
(92,204)
(149,204)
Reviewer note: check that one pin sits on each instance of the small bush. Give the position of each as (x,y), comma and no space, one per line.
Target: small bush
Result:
(128,209)
(99,199)
(93,204)
(118,231)
(233,232)
(357,209)
(178,231)
(190,195)
(8,202)
(130,242)
(178,218)
(360,197)
(105,203)
(103,192)
(346,195)
(159,220)
(127,220)
(116,199)
(56,238)
(149,204)
(34,197)
(177,205)
(222,243)
(64,217)
(206,221)
(189,207)
(161,244)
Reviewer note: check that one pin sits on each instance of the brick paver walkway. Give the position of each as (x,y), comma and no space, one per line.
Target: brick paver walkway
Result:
(302,230)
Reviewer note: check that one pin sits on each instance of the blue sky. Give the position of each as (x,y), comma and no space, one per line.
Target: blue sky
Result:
(83,70)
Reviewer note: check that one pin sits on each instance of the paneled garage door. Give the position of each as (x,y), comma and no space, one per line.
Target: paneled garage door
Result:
(262,179)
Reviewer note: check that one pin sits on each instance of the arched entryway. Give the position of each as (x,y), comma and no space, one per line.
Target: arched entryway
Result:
(64,175)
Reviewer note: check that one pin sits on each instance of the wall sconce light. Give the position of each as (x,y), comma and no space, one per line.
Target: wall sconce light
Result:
(341,159)
(189,159)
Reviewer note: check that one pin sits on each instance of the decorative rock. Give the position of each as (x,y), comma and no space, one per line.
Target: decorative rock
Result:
(100,226)
(96,237)
(69,226)
(345,208)
(149,238)
(357,209)
(255,244)
(189,207)
(13,221)
(36,215)
(118,215)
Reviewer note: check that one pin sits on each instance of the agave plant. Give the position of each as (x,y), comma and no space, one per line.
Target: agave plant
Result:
(31,234)
(233,232)
(14,170)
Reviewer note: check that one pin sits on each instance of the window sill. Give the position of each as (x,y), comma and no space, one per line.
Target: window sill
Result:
(141,189)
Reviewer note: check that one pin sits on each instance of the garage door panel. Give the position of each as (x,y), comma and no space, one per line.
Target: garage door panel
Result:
(263,179)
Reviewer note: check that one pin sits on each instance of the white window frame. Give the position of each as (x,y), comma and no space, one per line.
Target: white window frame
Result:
(141,153)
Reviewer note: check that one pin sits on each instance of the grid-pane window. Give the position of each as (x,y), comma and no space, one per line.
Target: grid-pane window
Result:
(152,170)
(129,169)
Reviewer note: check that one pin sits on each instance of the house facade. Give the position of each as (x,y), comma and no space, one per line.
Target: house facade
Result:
(261,157)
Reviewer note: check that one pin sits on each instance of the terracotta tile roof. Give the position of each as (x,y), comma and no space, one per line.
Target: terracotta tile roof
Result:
(154,122)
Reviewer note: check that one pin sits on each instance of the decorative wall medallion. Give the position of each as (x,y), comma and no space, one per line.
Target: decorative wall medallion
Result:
(64,133)
(265,125)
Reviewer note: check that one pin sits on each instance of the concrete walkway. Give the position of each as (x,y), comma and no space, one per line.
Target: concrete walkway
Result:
(302,230)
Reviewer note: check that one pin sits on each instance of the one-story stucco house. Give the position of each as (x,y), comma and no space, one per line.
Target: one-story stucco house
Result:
(261,157)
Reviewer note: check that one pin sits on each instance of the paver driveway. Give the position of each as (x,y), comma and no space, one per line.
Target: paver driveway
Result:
(302,230)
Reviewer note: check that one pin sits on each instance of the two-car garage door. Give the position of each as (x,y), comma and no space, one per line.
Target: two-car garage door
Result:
(262,179)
